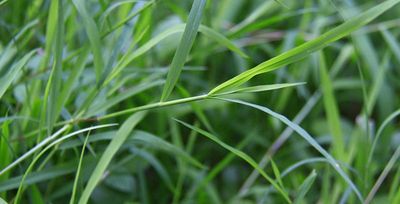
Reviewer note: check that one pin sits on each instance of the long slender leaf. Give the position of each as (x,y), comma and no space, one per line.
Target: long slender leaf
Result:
(8,78)
(186,43)
(307,137)
(240,154)
(93,35)
(305,49)
(109,153)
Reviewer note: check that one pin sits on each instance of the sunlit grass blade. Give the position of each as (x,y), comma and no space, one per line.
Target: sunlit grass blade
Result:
(109,153)
(186,43)
(35,149)
(9,77)
(94,36)
(240,154)
(307,48)
(54,143)
(307,137)
(260,88)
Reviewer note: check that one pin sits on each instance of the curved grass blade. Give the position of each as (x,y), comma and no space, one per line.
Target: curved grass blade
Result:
(161,170)
(307,48)
(379,133)
(109,153)
(186,43)
(9,77)
(306,136)
(35,149)
(222,40)
(240,154)
(56,142)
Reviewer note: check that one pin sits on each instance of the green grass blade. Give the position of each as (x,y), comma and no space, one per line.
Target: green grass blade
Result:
(222,40)
(212,34)
(94,36)
(392,42)
(55,79)
(331,110)
(9,77)
(277,173)
(186,43)
(305,187)
(307,137)
(109,153)
(395,157)
(305,49)
(240,154)
(56,142)
(384,124)
(78,171)
(34,149)
(98,108)
(260,88)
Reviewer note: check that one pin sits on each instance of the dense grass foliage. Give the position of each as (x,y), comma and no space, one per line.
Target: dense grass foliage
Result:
(200,101)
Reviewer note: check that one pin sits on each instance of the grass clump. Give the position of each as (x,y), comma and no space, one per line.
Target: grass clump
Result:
(146,101)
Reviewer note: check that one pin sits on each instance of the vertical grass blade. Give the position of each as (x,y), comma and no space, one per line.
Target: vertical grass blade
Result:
(109,153)
(93,35)
(186,43)
(78,171)
(331,110)
(54,83)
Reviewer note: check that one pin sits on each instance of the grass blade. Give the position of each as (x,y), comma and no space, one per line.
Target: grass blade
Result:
(56,142)
(184,47)
(331,110)
(307,137)
(9,77)
(305,187)
(78,171)
(240,154)
(109,153)
(34,149)
(260,88)
(305,49)
(93,35)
